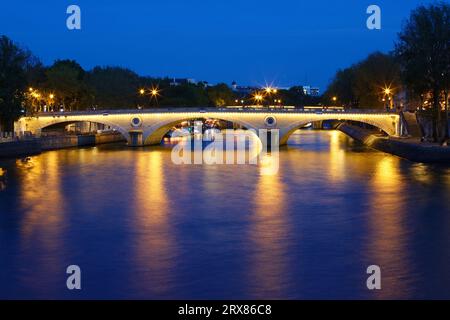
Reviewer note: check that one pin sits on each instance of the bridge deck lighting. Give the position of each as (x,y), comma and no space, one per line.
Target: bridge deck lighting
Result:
(141,91)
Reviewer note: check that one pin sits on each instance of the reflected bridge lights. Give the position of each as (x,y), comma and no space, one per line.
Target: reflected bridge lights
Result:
(232,147)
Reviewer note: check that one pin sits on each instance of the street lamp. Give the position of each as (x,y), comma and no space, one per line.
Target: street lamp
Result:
(388,93)
(154,93)
(270,90)
(334,99)
(141,92)
(51,106)
(258,97)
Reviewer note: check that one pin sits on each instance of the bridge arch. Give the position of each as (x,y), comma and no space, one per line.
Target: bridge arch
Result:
(61,121)
(155,133)
(286,133)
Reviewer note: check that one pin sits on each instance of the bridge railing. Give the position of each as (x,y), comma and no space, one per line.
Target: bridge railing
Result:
(212,109)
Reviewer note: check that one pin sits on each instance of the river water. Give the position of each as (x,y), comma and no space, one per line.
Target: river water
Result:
(140,226)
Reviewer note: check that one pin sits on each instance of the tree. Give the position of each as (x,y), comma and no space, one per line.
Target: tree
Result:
(295,96)
(66,79)
(114,87)
(14,62)
(423,50)
(184,95)
(362,85)
(373,76)
(220,95)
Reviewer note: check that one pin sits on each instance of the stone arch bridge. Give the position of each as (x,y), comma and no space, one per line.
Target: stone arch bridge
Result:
(148,127)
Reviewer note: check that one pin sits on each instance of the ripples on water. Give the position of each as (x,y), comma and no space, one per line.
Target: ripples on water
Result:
(141,227)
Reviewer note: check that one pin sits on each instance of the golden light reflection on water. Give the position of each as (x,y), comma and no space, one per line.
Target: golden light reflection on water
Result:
(43,204)
(387,214)
(230,147)
(268,230)
(421,173)
(337,165)
(154,242)
(41,196)
(2,179)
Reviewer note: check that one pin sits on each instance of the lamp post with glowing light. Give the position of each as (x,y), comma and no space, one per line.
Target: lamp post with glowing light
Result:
(258,97)
(154,93)
(334,100)
(269,91)
(142,94)
(51,97)
(389,96)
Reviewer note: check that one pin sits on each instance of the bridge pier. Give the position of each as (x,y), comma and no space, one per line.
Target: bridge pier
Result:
(136,138)
(317,125)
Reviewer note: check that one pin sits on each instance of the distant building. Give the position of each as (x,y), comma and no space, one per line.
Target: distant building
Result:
(315,92)
(179,81)
(306,90)
(243,90)
(246,90)
(311,91)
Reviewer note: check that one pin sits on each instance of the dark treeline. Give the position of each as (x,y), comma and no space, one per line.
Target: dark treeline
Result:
(363,85)
(73,88)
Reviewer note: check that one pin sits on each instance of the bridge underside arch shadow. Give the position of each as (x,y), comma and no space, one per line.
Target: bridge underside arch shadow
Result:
(285,133)
(59,123)
(155,134)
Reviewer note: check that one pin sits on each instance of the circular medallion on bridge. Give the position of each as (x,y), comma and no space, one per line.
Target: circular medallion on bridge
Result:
(136,122)
(270,121)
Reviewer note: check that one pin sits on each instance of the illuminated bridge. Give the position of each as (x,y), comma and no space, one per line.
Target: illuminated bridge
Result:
(148,127)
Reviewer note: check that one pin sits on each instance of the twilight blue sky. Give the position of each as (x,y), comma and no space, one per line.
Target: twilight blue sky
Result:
(284,42)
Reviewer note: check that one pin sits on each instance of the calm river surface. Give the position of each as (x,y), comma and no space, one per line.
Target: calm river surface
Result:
(141,227)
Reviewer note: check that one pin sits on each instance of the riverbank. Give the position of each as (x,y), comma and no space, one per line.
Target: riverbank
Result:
(72,141)
(408,148)
(35,146)
(15,149)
